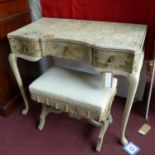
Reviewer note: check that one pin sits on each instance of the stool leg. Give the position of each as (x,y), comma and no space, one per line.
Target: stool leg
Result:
(103,129)
(43,115)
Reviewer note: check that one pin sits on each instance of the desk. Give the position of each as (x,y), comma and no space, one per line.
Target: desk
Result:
(118,46)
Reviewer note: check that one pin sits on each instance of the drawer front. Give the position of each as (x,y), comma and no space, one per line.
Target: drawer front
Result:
(114,59)
(13,23)
(10,7)
(27,47)
(67,50)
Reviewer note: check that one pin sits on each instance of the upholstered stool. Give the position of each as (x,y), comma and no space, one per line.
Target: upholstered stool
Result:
(80,94)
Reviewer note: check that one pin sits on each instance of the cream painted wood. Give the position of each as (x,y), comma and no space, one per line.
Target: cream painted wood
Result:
(44,112)
(103,125)
(106,35)
(104,57)
(13,62)
(76,100)
(101,134)
(133,80)
(133,83)
(124,38)
(25,46)
(66,50)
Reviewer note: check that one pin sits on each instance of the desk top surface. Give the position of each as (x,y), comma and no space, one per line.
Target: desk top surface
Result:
(123,36)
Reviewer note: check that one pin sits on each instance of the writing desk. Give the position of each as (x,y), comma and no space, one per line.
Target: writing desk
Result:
(118,46)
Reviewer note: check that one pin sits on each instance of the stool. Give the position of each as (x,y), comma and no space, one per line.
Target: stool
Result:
(79,94)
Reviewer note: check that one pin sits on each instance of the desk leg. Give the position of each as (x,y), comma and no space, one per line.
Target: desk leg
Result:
(13,62)
(133,84)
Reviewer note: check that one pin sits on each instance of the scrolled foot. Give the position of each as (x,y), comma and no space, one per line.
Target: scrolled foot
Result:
(124,141)
(41,124)
(25,111)
(40,127)
(99,144)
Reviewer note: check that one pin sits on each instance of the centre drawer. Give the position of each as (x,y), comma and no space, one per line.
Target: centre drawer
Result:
(67,50)
(114,59)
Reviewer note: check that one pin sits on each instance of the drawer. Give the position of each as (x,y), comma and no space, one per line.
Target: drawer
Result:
(25,46)
(67,50)
(114,59)
(12,23)
(10,7)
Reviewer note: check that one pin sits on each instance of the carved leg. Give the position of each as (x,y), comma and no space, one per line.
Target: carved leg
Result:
(133,83)
(13,63)
(103,129)
(45,111)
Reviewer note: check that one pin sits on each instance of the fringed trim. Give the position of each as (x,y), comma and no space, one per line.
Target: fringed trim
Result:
(75,110)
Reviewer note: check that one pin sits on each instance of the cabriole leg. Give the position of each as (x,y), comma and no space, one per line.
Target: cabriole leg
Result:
(45,111)
(13,63)
(133,84)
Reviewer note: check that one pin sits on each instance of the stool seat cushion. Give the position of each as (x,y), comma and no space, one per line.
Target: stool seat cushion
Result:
(74,92)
